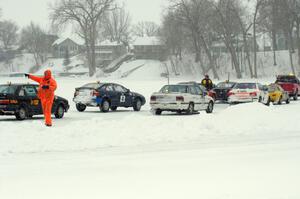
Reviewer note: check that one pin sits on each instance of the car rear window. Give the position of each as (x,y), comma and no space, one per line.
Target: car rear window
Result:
(174,89)
(225,85)
(92,85)
(287,79)
(245,86)
(7,89)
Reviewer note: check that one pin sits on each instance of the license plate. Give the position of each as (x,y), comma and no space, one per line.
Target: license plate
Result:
(3,106)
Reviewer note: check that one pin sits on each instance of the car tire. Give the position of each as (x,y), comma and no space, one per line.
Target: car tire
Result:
(259,99)
(80,107)
(105,105)
(157,112)
(190,109)
(137,105)
(60,112)
(268,102)
(295,97)
(21,113)
(113,108)
(210,107)
(280,100)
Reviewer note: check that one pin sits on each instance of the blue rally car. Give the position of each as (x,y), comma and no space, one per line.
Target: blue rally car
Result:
(106,96)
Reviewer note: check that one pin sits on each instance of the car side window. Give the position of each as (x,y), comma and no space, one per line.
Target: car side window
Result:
(193,90)
(22,92)
(198,90)
(30,91)
(109,88)
(119,88)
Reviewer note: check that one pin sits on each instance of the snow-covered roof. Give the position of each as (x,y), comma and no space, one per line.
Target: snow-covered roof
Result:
(61,40)
(147,41)
(109,43)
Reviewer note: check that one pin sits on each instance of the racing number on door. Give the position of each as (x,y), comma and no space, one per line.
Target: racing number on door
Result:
(122,98)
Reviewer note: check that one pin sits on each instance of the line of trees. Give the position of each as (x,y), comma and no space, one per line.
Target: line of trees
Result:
(195,25)
(92,20)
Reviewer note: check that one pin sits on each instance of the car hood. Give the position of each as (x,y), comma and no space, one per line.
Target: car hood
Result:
(60,98)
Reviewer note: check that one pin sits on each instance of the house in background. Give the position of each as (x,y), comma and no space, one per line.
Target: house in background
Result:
(108,51)
(65,45)
(149,48)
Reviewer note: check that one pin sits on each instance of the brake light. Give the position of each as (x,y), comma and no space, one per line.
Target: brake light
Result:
(96,93)
(4,101)
(153,98)
(253,94)
(179,98)
(230,93)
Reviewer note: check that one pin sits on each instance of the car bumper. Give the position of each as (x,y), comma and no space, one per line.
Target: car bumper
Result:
(236,99)
(86,101)
(7,110)
(169,106)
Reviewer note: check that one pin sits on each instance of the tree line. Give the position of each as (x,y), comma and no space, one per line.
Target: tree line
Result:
(193,26)
(91,20)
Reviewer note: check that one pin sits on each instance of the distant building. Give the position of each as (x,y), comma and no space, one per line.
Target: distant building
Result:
(107,51)
(149,48)
(63,45)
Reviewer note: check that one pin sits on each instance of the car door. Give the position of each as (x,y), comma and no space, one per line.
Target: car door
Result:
(202,97)
(121,95)
(32,98)
(110,92)
(196,98)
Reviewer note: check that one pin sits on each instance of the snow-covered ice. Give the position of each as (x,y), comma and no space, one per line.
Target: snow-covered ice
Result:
(247,151)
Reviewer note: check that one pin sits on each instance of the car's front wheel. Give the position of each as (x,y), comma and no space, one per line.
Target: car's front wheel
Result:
(21,114)
(295,97)
(280,100)
(80,107)
(210,107)
(190,109)
(60,112)
(137,105)
(104,107)
(113,108)
(157,112)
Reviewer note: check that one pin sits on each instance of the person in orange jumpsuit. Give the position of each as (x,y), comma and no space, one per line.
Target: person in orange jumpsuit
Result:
(47,86)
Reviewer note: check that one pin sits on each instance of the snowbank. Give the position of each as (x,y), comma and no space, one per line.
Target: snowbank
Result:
(245,121)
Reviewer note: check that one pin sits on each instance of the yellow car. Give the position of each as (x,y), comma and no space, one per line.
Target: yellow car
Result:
(273,93)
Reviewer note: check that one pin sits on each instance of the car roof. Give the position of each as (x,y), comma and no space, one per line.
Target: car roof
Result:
(18,84)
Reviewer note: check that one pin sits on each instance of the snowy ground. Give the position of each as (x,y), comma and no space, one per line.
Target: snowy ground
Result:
(247,151)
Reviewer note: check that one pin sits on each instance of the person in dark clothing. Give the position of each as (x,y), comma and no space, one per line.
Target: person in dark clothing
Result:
(207,83)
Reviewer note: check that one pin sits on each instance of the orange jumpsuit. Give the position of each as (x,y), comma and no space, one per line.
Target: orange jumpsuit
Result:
(46,95)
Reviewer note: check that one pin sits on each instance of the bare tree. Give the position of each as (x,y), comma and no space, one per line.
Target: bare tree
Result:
(173,34)
(84,15)
(145,28)
(245,26)
(34,39)
(227,25)
(8,33)
(116,26)
(258,5)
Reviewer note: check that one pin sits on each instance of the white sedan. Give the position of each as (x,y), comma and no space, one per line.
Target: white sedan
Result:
(244,92)
(179,98)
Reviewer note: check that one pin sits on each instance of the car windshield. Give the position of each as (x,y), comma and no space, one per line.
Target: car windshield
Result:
(245,86)
(7,89)
(225,85)
(287,79)
(273,88)
(92,85)
(174,89)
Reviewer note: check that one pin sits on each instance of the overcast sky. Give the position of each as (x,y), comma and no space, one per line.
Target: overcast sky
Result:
(24,11)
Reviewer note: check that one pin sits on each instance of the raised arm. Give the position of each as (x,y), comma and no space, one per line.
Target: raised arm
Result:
(35,78)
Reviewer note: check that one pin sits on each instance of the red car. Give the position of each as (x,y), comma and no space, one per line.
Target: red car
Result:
(289,83)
